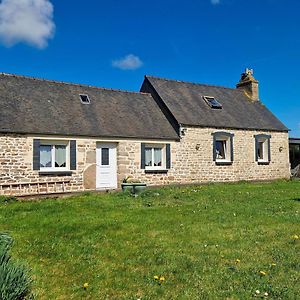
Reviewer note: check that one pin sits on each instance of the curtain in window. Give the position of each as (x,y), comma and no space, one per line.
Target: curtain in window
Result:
(260,150)
(60,156)
(221,149)
(45,156)
(157,157)
(148,157)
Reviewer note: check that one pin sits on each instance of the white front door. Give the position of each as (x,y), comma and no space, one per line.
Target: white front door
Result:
(106,174)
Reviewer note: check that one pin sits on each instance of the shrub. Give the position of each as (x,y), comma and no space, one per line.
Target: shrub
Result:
(7,199)
(15,282)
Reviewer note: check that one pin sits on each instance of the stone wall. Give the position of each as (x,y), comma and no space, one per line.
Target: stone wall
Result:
(192,165)
(16,168)
(192,159)
(191,162)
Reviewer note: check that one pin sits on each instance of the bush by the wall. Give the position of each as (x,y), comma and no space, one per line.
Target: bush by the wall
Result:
(7,199)
(15,281)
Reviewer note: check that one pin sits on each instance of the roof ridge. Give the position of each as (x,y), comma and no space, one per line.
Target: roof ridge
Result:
(71,83)
(194,83)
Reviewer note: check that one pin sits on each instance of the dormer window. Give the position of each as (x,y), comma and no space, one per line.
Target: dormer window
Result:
(85,99)
(212,102)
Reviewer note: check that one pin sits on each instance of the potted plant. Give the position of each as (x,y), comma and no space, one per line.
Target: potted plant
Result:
(133,186)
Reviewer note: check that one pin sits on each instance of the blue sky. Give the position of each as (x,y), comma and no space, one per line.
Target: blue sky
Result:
(115,43)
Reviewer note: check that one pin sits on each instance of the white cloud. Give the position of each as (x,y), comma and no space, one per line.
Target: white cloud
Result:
(129,62)
(29,21)
(215,2)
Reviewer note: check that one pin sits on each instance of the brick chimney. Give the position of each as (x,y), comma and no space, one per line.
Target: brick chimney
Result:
(249,84)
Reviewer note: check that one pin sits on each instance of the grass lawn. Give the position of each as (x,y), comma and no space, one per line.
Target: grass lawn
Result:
(209,242)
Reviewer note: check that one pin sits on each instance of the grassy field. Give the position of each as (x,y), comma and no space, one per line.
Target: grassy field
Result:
(218,241)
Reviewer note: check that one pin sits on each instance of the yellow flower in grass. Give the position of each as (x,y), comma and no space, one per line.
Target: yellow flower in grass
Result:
(155,277)
(296,237)
(273,265)
(237,261)
(262,273)
(85,285)
(162,279)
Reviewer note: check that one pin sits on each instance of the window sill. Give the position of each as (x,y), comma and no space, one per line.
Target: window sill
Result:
(156,171)
(223,163)
(57,173)
(263,162)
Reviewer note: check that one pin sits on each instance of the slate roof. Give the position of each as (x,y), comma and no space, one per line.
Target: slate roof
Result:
(184,101)
(35,106)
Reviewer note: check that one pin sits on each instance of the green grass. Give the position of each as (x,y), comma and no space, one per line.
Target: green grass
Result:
(190,235)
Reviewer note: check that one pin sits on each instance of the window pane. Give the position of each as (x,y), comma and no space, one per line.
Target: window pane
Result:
(104,156)
(45,156)
(157,157)
(214,103)
(220,149)
(260,150)
(148,157)
(85,99)
(60,156)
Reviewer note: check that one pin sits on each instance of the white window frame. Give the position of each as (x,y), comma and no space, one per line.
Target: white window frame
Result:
(88,99)
(265,141)
(207,100)
(227,151)
(54,143)
(163,156)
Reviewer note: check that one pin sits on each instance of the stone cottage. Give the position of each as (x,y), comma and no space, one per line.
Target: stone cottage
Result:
(60,137)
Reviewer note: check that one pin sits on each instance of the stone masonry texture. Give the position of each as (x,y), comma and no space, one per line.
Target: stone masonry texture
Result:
(191,162)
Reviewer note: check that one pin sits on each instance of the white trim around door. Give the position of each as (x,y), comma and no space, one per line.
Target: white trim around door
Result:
(106,170)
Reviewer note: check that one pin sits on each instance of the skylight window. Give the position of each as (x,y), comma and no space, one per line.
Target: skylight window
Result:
(85,99)
(212,102)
